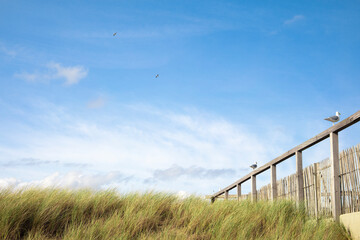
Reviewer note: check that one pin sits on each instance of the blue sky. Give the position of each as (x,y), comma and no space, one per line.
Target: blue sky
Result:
(239,82)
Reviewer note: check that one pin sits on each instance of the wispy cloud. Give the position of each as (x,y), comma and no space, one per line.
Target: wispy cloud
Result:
(97,103)
(184,26)
(288,22)
(33,162)
(294,19)
(175,171)
(55,71)
(7,51)
(28,162)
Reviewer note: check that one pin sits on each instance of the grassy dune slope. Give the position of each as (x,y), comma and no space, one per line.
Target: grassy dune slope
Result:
(61,214)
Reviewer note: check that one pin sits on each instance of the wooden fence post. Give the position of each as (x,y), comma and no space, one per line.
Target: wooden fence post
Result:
(238,191)
(226,195)
(299,176)
(316,190)
(213,200)
(253,188)
(335,179)
(273,182)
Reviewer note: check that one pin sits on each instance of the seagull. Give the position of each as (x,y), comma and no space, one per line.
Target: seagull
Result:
(114,34)
(157,75)
(254,166)
(334,118)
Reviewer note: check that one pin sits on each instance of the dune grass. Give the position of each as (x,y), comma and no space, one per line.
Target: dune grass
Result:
(85,214)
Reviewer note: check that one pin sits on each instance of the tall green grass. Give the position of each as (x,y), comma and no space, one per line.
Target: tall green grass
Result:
(84,214)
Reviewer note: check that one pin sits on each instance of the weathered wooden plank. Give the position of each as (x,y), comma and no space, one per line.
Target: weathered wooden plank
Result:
(350,160)
(238,192)
(273,183)
(306,185)
(299,176)
(318,138)
(226,195)
(344,183)
(356,161)
(253,188)
(335,180)
(316,189)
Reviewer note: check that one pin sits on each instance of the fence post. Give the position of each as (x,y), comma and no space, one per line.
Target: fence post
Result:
(238,191)
(212,200)
(335,179)
(226,194)
(273,182)
(299,176)
(316,190)
(253,188)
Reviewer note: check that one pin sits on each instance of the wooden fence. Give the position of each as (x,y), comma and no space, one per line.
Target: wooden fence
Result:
(330,187)
(316,177)
(350,178)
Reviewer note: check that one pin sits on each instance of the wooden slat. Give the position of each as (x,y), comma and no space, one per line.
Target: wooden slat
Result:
(343,187)
(315,176)
(253,188)
(238,191)
(350,160)
(299,176)
(348,180)
(273,183)
(335,179)
(356,158)
(318,138)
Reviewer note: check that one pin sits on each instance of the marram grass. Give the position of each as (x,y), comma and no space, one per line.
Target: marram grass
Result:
(85,214)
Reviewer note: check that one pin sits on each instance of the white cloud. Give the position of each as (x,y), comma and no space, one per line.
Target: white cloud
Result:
(182,194)
(7,51)
(8,182)
(71,75)
(71,180)
(294,19)
(55,71)
(97,103)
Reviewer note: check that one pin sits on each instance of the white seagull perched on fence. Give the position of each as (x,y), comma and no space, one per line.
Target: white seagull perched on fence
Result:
(334,119)
(254,166)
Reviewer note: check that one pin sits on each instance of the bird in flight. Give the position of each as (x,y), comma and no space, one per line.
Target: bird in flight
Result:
(114,34)
(254,165)
(334,119)
(157,75)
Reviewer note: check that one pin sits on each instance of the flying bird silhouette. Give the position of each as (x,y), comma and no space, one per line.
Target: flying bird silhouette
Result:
(254,165)
(114,34)
(157,75)
(334,119)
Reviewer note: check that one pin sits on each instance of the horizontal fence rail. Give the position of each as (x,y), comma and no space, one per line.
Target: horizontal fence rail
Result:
(302,185)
